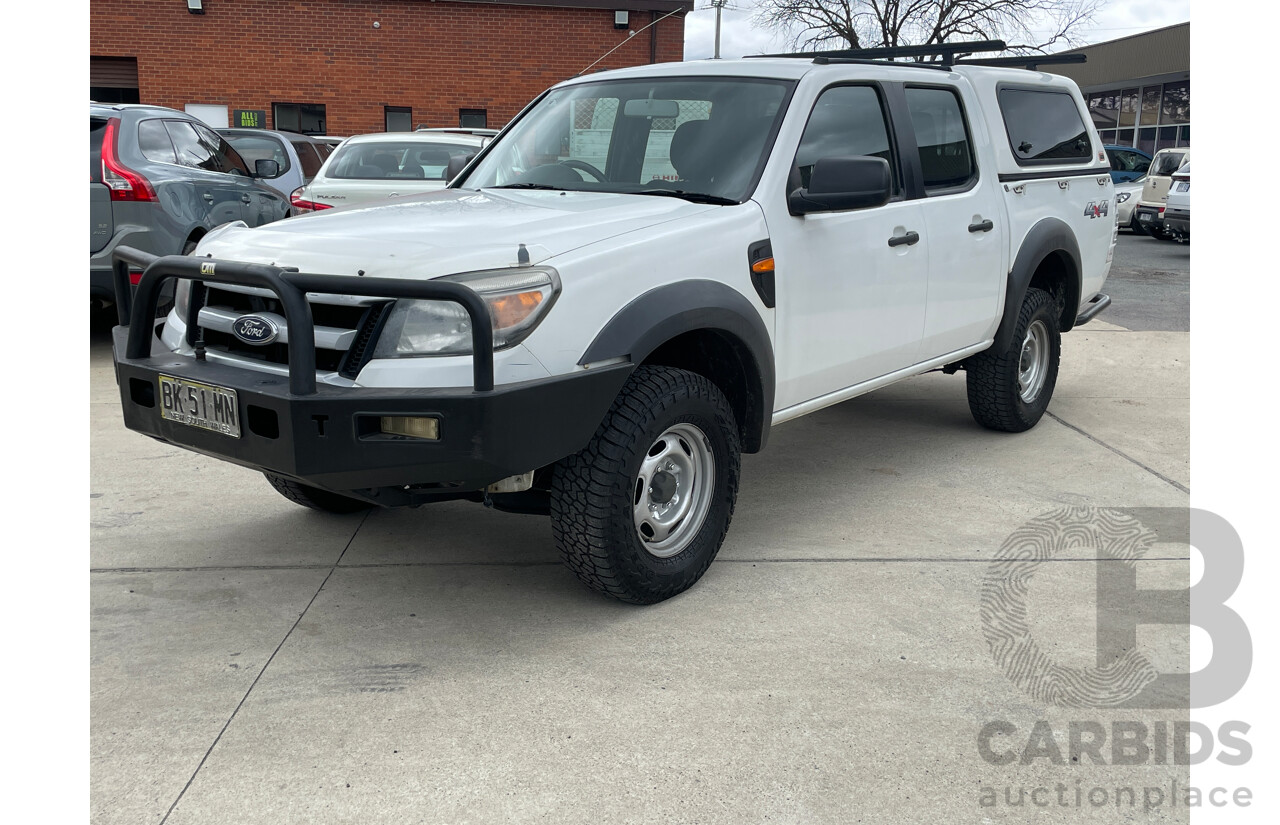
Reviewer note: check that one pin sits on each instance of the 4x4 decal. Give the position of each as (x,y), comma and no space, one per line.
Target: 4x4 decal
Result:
(1097,209)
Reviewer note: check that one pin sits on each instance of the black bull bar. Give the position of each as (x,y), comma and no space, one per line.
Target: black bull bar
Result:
(137,312)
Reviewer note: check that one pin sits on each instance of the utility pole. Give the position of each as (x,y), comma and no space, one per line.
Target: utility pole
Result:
(718,5)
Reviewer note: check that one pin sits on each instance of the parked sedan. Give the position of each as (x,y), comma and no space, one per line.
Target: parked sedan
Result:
(159,179)
(383,165)
(1127,163)
(1127,196)
(299,156)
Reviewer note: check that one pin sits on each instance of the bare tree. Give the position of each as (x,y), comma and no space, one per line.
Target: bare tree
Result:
(865,24)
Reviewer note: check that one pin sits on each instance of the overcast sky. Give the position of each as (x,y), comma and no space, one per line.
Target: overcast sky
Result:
(1118,18)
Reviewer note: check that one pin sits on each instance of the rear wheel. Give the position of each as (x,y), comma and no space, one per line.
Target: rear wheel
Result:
(1009,390)
(641,512)
(314,497)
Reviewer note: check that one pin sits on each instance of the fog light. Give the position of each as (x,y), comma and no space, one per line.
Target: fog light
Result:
(413,427)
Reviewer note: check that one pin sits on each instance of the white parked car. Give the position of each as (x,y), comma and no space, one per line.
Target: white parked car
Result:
(1127,196)
(384,165)
(1177,211)
(587,324)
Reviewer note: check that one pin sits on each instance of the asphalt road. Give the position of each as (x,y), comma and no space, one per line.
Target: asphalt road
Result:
(1150,284)
(255,662)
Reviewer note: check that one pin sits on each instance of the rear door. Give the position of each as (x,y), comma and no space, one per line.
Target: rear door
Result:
(215,194)
(101,222)
(260,203)
(963,218)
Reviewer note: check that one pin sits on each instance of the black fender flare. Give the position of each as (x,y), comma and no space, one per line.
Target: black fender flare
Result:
(1048,236)
(666,312)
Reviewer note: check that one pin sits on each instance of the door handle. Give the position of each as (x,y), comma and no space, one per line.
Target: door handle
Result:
(207,197)
(984,226)
(910,239)
(245,199)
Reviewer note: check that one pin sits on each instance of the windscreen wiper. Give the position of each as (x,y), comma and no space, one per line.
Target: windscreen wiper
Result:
(693,197)
(529,186)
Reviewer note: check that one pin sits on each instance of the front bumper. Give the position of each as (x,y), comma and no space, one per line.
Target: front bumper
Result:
(330,436)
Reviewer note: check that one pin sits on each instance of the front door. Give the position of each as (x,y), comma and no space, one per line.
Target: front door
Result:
(851,307)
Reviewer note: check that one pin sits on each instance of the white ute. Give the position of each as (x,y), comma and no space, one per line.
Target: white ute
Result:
(645,271)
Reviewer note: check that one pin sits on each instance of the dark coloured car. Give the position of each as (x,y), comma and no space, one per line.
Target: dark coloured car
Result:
(1127,163)
(159,179)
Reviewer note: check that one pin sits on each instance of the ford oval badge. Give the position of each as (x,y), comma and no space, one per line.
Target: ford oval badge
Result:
(255,329)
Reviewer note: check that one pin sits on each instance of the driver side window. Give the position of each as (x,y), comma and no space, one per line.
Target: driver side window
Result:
(847,121)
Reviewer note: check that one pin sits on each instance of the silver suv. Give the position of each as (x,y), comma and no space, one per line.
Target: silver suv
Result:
(160,179)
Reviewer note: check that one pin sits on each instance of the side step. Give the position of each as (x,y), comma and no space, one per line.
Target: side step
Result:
(1099,303)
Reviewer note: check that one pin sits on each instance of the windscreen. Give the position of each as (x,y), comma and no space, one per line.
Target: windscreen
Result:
(395,159)
(1167,163)
(693,135)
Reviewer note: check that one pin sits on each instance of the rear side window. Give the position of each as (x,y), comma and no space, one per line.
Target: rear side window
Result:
(190,149)
(308,157)
(1044,127)
(846,121)
(97,129)
(946,157)
(228,159)
(153,141)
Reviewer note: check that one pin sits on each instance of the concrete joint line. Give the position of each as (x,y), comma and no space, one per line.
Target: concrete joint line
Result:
(1120,453)
(270,659)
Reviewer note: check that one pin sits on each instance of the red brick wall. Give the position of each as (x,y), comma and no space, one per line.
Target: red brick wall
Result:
(437,57)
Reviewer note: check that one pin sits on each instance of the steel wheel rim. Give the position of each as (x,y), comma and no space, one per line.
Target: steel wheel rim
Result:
(672,492)
(1033,365)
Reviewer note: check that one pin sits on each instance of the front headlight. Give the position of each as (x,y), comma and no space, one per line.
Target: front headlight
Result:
(1121,197)
(518,299)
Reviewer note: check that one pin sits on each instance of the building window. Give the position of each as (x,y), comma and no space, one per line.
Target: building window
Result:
(473,118)
(1129,108)
(1150,106)
(1147,140)
(1184,136)
(1176,107)
(399,118)
(1124,137)
(307,118)
(113,79)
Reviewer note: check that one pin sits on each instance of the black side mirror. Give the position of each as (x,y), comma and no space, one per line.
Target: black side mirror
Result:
(263,168)
(837,184)
(456,164)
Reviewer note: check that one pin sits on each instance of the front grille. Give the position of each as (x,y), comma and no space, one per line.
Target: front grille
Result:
(345,332)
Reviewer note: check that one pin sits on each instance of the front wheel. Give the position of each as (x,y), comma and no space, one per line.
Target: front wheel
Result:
(641,512)
(1010,389)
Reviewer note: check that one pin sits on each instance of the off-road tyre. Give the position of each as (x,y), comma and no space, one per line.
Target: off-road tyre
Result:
(314,497)
(594,492)
(992,377)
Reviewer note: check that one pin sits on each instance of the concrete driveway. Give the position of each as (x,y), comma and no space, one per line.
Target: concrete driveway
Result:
(255,662)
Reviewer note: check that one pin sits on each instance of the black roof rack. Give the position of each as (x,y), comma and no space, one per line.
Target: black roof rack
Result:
(1026,61)
(947,51)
